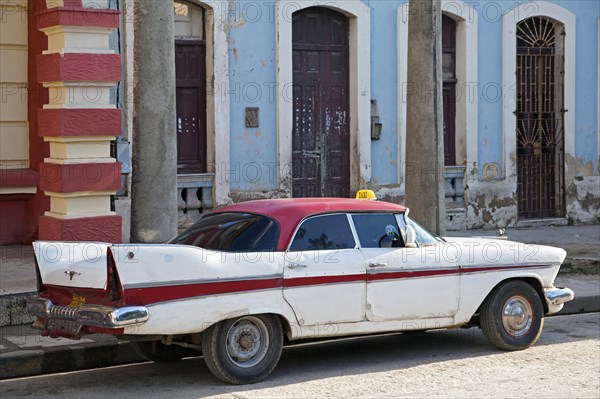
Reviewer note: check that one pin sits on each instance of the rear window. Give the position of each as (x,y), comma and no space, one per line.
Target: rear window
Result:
(232,232)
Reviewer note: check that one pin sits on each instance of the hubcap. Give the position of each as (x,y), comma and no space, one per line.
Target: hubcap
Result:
(517,316)
(247,342)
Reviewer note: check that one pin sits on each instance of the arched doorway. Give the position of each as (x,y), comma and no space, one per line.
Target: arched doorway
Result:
(540,118)
(321,104)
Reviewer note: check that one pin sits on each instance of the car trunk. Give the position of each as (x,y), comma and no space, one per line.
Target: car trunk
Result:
(74,273)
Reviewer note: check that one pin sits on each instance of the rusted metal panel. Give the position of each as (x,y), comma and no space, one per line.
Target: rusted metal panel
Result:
(321,128)
(190,71)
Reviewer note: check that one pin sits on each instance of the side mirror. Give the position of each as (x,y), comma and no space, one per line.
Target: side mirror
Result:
(411,237)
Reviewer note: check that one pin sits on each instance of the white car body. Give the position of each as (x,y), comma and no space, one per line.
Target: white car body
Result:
(171,290)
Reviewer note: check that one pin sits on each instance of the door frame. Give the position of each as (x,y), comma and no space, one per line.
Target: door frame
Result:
(218,121)
(316,114)
(359,15)
(509,67)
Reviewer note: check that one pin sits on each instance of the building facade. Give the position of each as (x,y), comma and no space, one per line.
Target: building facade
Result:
(297,98)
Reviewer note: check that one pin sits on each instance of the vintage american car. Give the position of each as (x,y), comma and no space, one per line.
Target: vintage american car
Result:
(250,277)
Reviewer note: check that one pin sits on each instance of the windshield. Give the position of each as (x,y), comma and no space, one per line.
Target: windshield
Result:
(232,232)
(423,236)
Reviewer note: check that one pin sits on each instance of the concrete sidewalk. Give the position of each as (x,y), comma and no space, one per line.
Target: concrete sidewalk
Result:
(24,352)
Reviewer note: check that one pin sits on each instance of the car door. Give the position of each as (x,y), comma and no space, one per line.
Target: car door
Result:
(324,273)
(405,283)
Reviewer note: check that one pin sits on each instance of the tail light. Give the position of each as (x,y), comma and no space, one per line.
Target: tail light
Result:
(113,284)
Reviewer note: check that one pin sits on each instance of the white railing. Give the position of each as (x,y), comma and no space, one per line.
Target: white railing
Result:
(195,197)
(454,178)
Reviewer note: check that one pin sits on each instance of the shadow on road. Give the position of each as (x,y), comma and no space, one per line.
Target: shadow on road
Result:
(304,363)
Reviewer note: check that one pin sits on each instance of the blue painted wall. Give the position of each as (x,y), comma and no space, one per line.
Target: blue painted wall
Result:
(253,75)
(252,84)
(384,88)
(586,79)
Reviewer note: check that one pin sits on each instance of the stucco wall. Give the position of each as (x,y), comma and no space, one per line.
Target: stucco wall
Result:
(252,84)
(491,193)
(253,171)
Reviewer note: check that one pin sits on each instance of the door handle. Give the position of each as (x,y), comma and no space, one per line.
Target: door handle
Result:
(377,264)
(296,265)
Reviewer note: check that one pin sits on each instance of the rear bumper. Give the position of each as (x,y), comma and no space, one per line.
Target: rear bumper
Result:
(88,315)
(556,298)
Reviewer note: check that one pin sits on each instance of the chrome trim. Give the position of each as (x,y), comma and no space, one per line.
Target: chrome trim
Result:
(558,295)
(421,269)
(199,281)
(295,265)
(507,266)
(88,315)
(357,244)
(377,264)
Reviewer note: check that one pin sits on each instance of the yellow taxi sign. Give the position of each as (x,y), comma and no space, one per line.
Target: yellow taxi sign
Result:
(366,195)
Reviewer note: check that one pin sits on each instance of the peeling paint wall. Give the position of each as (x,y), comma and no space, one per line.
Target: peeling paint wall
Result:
(583,200)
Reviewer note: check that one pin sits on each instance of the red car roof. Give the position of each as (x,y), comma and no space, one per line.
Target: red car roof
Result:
(289,212)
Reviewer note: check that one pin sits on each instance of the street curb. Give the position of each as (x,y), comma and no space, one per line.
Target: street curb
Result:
(586,304)
(66,358)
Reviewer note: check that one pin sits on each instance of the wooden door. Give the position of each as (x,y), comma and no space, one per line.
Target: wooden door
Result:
(449,124)
(321,132)
(449,76)
(190,71)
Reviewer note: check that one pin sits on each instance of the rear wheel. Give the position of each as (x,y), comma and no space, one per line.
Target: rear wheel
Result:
(243,350)
(511,316)
(156,351)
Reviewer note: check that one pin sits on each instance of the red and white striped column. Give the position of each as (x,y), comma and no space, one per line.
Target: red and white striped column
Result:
(79,122)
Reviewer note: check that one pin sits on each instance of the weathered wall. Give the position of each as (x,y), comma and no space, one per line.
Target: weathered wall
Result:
(491,192)
(490,195)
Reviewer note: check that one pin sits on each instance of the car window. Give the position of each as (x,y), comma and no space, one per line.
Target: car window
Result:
(232,232)
(423,237)
(377,230)
(324,232)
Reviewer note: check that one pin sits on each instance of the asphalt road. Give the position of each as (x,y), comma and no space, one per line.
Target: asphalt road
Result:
(456,363)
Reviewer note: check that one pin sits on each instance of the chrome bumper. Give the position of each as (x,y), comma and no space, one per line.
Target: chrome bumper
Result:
(556,297)
(88,315)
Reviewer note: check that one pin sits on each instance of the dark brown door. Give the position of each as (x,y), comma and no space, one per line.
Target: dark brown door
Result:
(449,124)
(449,72)
(190,70)
(321,133)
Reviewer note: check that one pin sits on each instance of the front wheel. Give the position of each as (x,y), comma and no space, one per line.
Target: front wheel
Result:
(243,350)
(511,317)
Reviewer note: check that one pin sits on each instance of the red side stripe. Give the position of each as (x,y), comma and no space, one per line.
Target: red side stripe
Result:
(304,281)
(409,274)
(149,295)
